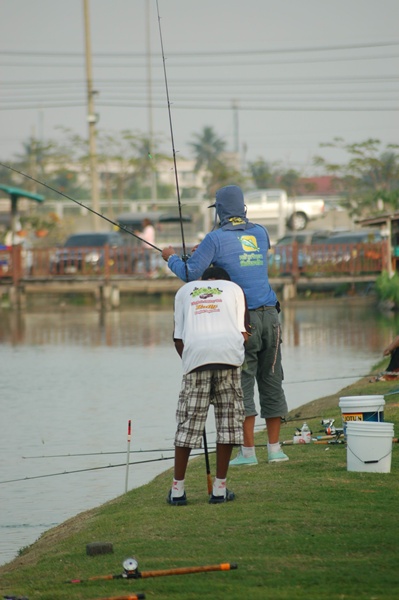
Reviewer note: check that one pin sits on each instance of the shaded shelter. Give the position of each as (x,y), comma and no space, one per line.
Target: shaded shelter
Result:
(167,224)
(134,220)
(389,224)
(14,194)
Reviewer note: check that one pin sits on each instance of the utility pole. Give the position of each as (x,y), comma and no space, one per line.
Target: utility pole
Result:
(153,173)
(234,106)
(91,119)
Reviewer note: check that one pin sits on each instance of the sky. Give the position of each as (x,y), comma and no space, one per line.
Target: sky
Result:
(273,79)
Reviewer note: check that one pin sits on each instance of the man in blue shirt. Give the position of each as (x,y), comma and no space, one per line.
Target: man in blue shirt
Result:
(240,247)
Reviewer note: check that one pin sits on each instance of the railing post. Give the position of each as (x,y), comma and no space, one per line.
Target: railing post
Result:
(295,265)
(386,257)
(16,263)
(106,262)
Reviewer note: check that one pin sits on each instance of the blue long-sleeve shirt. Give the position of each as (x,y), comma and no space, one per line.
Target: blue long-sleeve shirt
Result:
(242,253)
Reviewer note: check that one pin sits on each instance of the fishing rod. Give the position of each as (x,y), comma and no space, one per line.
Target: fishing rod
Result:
(142,462)
(184,257)
(138,596)
(130,571)
(79,454)
(208,468)
(49,187)
(328,379)
(72,455)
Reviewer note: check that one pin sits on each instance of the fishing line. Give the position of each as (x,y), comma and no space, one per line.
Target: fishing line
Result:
(97,453)
(328,379)
(184,257)
(49,187)
(90,469)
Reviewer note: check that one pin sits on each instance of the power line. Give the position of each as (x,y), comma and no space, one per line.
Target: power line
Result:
(242,108)
(266,81)
(214,52)
(235,64)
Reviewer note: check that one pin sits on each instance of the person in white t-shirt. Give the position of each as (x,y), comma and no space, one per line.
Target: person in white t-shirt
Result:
(210,329)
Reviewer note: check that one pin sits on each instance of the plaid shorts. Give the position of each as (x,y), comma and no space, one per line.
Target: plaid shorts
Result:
(220,387)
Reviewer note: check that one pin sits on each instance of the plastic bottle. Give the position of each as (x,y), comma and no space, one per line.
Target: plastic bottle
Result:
(306,433)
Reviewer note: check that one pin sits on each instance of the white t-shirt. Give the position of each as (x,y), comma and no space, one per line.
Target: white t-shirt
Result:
(148,234)
(210,319)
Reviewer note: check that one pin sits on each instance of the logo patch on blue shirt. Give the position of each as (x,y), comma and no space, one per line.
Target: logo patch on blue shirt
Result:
(249,243)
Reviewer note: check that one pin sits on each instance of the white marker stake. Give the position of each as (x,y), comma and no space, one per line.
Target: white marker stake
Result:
(129,437)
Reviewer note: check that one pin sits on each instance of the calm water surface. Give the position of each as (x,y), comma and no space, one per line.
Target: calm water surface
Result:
(71,381)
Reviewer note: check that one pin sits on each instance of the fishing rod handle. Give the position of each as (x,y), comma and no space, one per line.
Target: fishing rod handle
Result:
(139,596)
(188,570)
(95,578)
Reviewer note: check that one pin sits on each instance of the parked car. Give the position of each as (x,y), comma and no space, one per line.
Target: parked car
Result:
(345,244)
(272,206)
(317,236)
(324,251)
(85,251)
(280,255)
(4,259)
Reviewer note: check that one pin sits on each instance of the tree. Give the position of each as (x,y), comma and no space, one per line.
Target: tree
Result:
(289,181)
(370,178)
(207,148)
(221,175)
(262,174)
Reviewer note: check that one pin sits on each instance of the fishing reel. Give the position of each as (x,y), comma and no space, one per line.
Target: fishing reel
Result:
(130,568)
(334,431)
(327,422)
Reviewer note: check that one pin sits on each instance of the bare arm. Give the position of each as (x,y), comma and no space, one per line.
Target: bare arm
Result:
(392,346)
(179,347)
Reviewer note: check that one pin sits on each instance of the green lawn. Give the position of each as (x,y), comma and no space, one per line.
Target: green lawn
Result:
(303,529)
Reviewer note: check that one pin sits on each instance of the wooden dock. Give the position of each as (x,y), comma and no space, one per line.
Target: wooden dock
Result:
(107,292)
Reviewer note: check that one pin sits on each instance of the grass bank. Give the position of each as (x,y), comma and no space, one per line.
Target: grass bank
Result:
(298,530)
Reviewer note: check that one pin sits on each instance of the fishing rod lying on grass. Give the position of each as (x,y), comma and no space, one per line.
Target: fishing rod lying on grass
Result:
(128,597)
(130,571)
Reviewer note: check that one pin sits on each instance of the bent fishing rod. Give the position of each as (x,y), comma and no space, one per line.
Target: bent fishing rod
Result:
(185,256)
(49,187)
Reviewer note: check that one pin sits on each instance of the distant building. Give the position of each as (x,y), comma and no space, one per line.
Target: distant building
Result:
(325,185)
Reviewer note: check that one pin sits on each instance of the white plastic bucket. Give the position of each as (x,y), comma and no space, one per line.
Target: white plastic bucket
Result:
(369,446)
(361,408)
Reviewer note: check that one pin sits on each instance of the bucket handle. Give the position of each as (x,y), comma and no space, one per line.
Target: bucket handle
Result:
(368,462)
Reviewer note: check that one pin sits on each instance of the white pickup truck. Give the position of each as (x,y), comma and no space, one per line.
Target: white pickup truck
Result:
(273,206)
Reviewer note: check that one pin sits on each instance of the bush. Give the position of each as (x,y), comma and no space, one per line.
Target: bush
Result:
(387,288)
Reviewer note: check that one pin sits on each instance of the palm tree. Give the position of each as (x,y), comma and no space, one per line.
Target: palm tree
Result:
(207,148)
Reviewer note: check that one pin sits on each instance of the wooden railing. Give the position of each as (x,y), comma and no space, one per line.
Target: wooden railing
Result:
(325,260)
(18,263)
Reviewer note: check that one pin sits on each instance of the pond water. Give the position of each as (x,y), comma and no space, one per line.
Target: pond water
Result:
(71,381)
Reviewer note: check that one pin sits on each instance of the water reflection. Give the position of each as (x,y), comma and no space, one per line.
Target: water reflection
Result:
(354,324)
(83,328)
(71,381)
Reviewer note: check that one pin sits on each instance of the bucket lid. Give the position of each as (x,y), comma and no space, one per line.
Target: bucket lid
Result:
(376,427)
(357,398)
(361,402)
